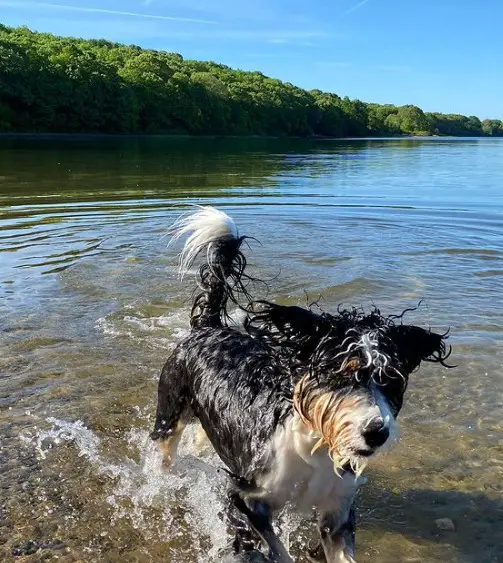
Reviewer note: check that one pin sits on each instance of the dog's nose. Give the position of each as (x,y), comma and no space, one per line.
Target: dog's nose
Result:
(376,432)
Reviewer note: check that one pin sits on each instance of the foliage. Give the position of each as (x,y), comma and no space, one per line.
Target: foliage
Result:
(64,85)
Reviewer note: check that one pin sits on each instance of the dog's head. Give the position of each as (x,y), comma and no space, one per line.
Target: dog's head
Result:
(350,372)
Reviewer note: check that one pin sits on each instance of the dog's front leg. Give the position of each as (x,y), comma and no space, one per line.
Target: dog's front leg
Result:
(337,532)
(259,517)
(246,539)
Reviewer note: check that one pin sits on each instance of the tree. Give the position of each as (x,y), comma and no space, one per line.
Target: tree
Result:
(58,84)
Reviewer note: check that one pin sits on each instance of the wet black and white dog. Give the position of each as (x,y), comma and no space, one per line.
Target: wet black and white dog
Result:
(295,405)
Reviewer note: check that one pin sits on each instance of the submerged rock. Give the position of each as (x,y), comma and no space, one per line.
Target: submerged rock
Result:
(32,546)
(445,524)
(25,548)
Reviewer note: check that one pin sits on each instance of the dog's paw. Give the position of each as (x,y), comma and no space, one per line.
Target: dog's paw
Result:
(316,554)
(249,556)
(346,558)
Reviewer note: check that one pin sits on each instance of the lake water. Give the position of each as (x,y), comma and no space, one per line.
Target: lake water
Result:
(90,307)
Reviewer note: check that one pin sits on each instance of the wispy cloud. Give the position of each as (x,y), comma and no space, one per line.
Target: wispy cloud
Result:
(31,5)
(272,36)
(260,11)
(356,7)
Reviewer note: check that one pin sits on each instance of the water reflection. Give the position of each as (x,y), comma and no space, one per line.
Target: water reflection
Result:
(90,306)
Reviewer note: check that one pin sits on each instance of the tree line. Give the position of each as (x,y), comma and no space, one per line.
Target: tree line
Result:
(51,84)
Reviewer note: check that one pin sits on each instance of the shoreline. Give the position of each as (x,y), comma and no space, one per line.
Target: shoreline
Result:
(91,136)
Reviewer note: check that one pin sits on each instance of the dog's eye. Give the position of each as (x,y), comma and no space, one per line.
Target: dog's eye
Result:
(353,365)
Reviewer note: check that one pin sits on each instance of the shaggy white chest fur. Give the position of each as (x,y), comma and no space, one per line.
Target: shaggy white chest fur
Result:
(303,479)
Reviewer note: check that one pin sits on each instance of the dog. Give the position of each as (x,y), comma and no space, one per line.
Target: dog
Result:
(295,404)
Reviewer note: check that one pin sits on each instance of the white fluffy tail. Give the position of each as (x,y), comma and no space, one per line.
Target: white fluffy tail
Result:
(206,226)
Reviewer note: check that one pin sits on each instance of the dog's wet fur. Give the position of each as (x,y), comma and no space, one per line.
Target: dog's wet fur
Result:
(295,405)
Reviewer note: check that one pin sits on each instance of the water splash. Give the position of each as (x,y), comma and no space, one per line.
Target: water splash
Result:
(193,487)
(153,332)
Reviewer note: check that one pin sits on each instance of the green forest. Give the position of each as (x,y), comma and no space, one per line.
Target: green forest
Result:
(52,84)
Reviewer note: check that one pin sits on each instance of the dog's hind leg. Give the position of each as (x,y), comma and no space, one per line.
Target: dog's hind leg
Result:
(173,411)
(259,517)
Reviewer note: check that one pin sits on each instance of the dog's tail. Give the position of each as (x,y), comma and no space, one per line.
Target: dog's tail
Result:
(220,276)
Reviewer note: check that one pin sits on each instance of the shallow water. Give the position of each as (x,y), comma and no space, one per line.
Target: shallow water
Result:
(90,307)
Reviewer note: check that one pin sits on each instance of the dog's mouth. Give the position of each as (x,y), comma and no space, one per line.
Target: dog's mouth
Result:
(365,452)
(355,460)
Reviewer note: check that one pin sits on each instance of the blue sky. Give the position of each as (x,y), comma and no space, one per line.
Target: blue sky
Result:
(442,55)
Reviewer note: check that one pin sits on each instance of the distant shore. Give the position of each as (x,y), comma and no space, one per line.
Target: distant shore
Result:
(76,85)
(91,136)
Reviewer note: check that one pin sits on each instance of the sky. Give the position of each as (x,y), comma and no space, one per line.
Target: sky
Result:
(442,55)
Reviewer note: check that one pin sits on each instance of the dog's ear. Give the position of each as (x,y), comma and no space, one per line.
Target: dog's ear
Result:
(296,320)
(288,326)
(414,344)
(288,320)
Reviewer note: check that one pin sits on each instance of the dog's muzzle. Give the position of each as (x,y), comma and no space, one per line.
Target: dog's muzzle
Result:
(376,432)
